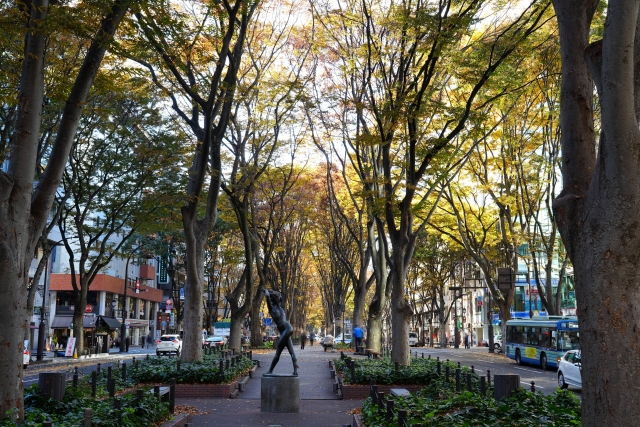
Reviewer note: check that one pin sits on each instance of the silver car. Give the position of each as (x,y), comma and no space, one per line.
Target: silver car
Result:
(570,369)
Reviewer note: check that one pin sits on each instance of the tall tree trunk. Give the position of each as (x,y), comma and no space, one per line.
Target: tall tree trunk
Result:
(192,307)
(23,211)
(597,211)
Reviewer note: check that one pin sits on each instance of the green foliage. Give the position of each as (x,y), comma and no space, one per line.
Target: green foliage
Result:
(438,404)
(70,411)
(161,369)
(443,407)
(342,345)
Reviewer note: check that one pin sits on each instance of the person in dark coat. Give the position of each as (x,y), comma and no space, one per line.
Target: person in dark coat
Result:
(126,344)
(143,341)
(303,340)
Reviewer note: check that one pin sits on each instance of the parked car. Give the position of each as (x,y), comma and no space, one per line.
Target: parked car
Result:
(497,342)
(215,341)
(347,338)
(26,355)
(413,339)
(570,369)
(169,344)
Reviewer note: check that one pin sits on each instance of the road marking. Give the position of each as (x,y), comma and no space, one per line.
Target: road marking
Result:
(525,369)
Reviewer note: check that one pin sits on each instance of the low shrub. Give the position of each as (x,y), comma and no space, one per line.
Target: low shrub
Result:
(70,411)
(443,407)
(161,369)
(439,404)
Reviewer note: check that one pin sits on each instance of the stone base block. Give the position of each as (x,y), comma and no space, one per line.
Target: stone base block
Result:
(280,393)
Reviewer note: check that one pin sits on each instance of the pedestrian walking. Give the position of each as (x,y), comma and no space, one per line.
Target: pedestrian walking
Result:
(150,340)
(466,341)
(312,338)
(126,344)
(303,340)
(143,341)
(358,334)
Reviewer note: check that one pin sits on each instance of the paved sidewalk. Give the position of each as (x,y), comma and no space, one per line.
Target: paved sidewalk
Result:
(319,405)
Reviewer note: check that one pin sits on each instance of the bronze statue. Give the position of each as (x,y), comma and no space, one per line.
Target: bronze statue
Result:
(286,330)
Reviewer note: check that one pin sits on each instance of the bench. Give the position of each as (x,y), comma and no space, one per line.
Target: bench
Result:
(400,392)
(243,382)
(162,393)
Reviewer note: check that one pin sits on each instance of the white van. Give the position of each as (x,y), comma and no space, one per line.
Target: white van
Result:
(413,339)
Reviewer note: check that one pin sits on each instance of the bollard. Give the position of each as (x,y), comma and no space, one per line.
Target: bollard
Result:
(112,387)
(139,396)
(87,420)
(353,372)
(402,417)
(94,383)
(457,379)
(172,395)
(428,357)
(156,391)
(469,385)
(124,371)
(117,403)
(109,372)
(374,394)
(446,373)
(439,368)
(483,386)
(488,378)
(147,357)
(397,366)
(390,407)
(75,370)
(458,365)
(226,364)
(473,370)
(75,380)
(47,423)
(380,401)
(99,365)
(533,386)
(178,367)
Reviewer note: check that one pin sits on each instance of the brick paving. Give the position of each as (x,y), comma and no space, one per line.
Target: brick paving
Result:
(319,405)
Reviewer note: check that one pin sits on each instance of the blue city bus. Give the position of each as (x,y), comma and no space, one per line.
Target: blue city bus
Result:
(541,340)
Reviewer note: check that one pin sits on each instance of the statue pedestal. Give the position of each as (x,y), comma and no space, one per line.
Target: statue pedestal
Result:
(280,393)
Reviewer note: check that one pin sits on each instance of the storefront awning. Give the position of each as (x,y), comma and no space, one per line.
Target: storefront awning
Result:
(64,322)
(107,322)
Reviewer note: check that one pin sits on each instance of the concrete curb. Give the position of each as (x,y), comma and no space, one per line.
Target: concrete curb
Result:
(178,421)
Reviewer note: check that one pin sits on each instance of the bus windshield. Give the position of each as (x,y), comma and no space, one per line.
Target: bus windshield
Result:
(568,340)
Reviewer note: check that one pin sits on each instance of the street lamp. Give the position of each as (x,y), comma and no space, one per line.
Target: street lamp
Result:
(123,326)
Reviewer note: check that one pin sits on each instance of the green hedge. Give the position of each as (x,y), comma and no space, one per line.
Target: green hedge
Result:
(438,404)
(70,411)
(150,410)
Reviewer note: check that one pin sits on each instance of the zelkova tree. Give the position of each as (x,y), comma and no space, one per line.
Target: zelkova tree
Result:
(24,209)
(426,70)
(194,55)
(598,209)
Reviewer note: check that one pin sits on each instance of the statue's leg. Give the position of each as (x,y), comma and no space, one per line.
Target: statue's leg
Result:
(294,359)
(276,358)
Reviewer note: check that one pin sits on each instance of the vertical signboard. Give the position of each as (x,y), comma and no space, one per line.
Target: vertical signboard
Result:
(163,277)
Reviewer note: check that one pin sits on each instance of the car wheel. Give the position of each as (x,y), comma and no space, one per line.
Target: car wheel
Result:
(543,362)
(561,383)
(518,357)
(158,353)
(496,346)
